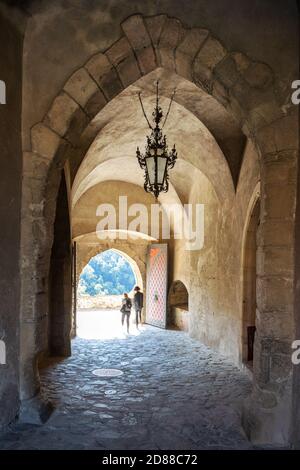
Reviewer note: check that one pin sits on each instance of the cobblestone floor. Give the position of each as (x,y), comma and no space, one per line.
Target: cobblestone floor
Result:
(174,394)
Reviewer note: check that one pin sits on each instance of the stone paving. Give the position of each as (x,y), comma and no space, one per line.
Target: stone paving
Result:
(174,393)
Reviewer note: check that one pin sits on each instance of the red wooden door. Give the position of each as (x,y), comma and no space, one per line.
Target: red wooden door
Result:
(156,294)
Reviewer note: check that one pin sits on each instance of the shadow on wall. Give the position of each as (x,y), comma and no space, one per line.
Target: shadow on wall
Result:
(178,306)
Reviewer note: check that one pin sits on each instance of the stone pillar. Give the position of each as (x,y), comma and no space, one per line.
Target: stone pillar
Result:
(268,413)
(34,318)
(296,367)
(38,213)
(11,43)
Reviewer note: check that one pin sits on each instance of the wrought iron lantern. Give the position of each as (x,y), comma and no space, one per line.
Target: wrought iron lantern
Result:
(157,160)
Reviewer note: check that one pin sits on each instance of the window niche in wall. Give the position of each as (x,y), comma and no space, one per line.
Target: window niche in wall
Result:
(178,306)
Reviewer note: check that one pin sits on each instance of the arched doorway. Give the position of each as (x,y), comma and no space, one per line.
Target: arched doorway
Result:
(100,288)
(178,306)
(249,284)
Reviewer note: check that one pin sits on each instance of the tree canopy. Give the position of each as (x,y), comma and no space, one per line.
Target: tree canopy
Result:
(108,273)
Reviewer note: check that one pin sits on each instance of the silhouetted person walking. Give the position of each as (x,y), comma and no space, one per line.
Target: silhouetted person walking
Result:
(126,310)
(138,302)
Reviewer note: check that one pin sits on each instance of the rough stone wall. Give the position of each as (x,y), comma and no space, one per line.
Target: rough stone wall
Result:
(10,210)
(214,274)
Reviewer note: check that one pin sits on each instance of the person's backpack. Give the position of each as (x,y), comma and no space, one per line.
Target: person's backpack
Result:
(126,306)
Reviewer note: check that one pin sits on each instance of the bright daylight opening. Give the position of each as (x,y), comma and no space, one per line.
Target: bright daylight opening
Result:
(101,288)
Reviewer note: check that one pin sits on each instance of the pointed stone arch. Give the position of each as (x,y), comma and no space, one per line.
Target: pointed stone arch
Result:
(87,252)
(247,89)
(244,87)
(137,266)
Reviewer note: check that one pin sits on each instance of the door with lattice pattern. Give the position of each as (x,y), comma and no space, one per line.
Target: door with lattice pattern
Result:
(156,295)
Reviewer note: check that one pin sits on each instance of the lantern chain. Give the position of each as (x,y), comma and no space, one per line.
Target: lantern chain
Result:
(170,104)
(144,112)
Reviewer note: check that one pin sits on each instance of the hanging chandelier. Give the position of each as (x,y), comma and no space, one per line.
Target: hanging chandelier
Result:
(157,159)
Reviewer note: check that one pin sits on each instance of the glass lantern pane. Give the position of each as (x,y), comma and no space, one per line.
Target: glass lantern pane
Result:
(161,168)
(150,162)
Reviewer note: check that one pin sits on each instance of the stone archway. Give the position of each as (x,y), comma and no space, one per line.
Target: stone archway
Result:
(97,314)
(136,265)
(178,306)
(248,90)
(135,255)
